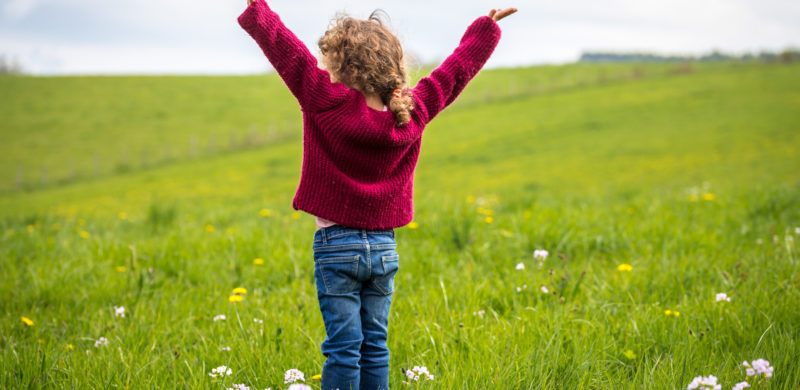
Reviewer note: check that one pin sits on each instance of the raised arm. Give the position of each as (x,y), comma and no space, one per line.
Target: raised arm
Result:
(446,82)
(291,58)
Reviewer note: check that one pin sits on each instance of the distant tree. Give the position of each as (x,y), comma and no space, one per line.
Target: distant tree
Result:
(9,66)
(788,55)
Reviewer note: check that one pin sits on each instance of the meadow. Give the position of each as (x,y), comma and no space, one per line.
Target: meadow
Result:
(652,187)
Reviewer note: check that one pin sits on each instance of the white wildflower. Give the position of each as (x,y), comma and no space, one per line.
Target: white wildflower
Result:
(479,313)
(293,375)
(544,289)
(723,297)
(298,386)
(220,317)
(524,286)
(256,320)
(220,371)
(102,341)
(540,254)
(741,385)
(520,266)
(797,230)
(225,348)
(701,382)
(758,366)
(419,372)
(239,386)
(119,311)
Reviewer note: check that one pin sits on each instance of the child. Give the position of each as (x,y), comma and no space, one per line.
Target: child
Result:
(362,129)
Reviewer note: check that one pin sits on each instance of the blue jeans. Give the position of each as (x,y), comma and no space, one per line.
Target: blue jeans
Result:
(354,272)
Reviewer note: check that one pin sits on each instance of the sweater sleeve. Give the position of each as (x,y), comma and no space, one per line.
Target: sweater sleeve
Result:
(446,82)
(291,59)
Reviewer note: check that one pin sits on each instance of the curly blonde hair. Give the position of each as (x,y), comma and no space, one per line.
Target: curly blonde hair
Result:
(367,56)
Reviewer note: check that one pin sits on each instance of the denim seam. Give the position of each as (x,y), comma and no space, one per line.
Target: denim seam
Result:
(387,233)
(338,260)
(384,246)
(334,248)
(330,236)
(369,258)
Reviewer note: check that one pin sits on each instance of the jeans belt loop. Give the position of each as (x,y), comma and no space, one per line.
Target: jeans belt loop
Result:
(324,236)
(363,233)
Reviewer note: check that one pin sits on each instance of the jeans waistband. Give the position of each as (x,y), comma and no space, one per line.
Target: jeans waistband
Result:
(326,233)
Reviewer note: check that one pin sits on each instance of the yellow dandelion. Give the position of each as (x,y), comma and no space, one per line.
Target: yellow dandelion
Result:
(675,313)
(629,354)
(668,312)
(295,215)
(489,219)
(40,341)
(527,214)
(120,268)
(84,234)
(240,290)
(258,261)
(123,215)
(317,377)
(235,298)
(480,210)
(265,212)
(230,231)
(470,199)
(489,212)
(30,228)
(413,225)
(210,228)
(629,210)
(625,268)
(81,222)
(708,196)
(69,347)
(27,321)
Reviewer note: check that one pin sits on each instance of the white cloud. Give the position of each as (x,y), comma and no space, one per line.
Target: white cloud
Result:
(17,9)
(187,36)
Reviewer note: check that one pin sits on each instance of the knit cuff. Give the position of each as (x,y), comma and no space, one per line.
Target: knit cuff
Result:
(249,18)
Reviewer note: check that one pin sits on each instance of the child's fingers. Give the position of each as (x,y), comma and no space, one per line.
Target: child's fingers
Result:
(492,13)
(503,13)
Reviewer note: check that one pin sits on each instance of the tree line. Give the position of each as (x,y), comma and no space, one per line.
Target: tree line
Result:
(788,55)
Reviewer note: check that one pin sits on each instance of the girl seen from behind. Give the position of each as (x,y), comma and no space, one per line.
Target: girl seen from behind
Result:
(362,130)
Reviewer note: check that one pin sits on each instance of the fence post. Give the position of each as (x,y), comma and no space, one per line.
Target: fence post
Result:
(212,144)
(192,145)
(44,175)
(19,177)
(97,168)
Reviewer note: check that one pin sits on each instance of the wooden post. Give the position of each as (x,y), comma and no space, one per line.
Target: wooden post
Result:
(193,146)
(19,177)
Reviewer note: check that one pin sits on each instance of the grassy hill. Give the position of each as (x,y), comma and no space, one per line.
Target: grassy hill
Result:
(689,173)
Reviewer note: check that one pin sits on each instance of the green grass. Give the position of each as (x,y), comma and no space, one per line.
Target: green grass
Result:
(600,165)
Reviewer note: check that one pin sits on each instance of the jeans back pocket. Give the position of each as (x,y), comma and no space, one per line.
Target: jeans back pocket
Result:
(339,274)
(385,281)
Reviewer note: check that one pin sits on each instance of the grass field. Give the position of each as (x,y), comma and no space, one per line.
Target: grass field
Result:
(159,194)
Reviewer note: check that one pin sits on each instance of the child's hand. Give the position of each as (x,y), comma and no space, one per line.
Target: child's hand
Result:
(250,2)
(497,14)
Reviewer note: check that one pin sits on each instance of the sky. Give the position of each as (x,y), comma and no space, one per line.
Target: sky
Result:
(203,37)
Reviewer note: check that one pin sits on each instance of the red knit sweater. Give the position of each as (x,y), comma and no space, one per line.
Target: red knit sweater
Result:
(358,165)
